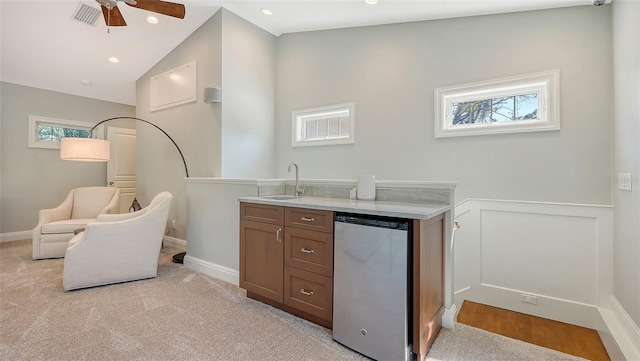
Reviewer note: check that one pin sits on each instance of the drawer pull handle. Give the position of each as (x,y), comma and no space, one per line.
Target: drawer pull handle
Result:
(307,219)
(304,250)
(278,232)
(305,292)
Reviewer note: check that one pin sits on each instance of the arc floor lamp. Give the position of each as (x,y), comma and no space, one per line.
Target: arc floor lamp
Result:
(98,150)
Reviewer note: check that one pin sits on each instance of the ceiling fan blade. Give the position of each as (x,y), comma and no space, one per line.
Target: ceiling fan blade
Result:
(113,17)
(161,7)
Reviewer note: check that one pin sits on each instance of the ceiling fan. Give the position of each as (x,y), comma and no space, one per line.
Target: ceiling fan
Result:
(113,16)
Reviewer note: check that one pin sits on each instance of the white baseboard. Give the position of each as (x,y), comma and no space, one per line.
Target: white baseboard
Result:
(19,236)
(450,316)
(553,308)
(15,236)
(211,269)
(174,242)
(623,337)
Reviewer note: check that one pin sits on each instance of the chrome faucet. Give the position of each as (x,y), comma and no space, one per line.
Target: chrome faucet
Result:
(299,190)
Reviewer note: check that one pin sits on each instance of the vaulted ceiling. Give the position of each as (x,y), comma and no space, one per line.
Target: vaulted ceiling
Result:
(43,46)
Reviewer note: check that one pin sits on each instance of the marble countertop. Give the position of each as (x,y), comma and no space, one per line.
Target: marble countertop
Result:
(421,211)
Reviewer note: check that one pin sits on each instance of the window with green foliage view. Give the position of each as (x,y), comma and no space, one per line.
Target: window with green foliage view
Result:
(55,134)
(48,132)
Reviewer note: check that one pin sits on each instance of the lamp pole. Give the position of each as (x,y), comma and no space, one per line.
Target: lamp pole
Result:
(148,122)
(179,257)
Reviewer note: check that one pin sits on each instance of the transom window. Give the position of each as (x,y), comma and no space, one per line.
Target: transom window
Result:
(323,126)
(517,104)
(47,132)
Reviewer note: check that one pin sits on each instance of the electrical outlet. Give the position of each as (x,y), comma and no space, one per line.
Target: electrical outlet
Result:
(529,299)
(624,181)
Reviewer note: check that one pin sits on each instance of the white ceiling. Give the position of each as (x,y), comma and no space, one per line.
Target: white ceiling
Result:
(42,46)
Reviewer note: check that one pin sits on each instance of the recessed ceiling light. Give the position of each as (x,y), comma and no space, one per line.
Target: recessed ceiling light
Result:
(113,59)
(152,19)
(86,82)
(371,2)
(266,11)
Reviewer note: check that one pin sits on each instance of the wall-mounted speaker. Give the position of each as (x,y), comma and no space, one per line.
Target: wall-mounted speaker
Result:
(212,95)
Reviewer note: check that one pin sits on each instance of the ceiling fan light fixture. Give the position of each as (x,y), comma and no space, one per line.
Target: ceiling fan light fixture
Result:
(152,19)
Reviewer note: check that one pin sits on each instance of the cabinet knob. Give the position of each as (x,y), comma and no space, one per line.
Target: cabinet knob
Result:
(304,250)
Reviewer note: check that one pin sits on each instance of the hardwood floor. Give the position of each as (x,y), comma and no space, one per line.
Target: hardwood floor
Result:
(563,337)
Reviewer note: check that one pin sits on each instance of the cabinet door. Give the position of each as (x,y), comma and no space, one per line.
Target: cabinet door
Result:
(309,250)
(428,283)
(262,259)
(309,292)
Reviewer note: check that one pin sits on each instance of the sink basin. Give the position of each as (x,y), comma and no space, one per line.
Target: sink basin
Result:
(280,197)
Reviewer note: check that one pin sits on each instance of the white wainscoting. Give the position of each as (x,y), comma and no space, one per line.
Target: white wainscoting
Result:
(561,254)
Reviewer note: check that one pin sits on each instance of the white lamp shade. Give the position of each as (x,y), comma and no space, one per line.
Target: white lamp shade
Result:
(84,149)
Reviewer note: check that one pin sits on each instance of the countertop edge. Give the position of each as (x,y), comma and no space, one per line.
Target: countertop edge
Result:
(376,208)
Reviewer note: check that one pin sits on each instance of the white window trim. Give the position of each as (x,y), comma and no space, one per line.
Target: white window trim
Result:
(545,83)
(296,126)
(35,121)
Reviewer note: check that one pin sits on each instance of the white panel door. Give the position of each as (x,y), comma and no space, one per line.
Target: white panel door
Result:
(121,169)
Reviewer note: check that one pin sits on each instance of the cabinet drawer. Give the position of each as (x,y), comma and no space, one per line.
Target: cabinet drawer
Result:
(311,219)
(308,250)
(308,292)
(262,213)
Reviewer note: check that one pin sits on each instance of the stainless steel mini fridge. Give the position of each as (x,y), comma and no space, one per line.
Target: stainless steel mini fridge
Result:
(371,312)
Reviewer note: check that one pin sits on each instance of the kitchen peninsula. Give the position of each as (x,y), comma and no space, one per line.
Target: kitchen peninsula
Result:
(428,205)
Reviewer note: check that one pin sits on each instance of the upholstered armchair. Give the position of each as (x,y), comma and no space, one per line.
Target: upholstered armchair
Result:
(56,226)
(118,247)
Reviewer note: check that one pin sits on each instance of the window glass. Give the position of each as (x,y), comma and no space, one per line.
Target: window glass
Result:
(55,134)
(47,132)
(517,104)
(323,126)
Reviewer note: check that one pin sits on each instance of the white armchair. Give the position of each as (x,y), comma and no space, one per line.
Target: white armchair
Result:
(56,225)
(118,247)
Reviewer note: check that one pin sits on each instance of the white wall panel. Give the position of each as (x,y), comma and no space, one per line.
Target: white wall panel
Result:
(559,253)
(545,254)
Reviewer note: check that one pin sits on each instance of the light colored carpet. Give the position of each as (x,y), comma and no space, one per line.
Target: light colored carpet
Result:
(180,315)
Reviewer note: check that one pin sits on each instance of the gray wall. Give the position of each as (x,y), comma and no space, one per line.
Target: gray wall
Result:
(195,126)
(626,20)
(233,138)
(248,79)
(34,179)
(390,72)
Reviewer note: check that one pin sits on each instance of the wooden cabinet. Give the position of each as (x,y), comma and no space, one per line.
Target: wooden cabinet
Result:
(428,282)
(309,250)
(262,213)
(309,292)
(311,219)
(286,259)
(261,250)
